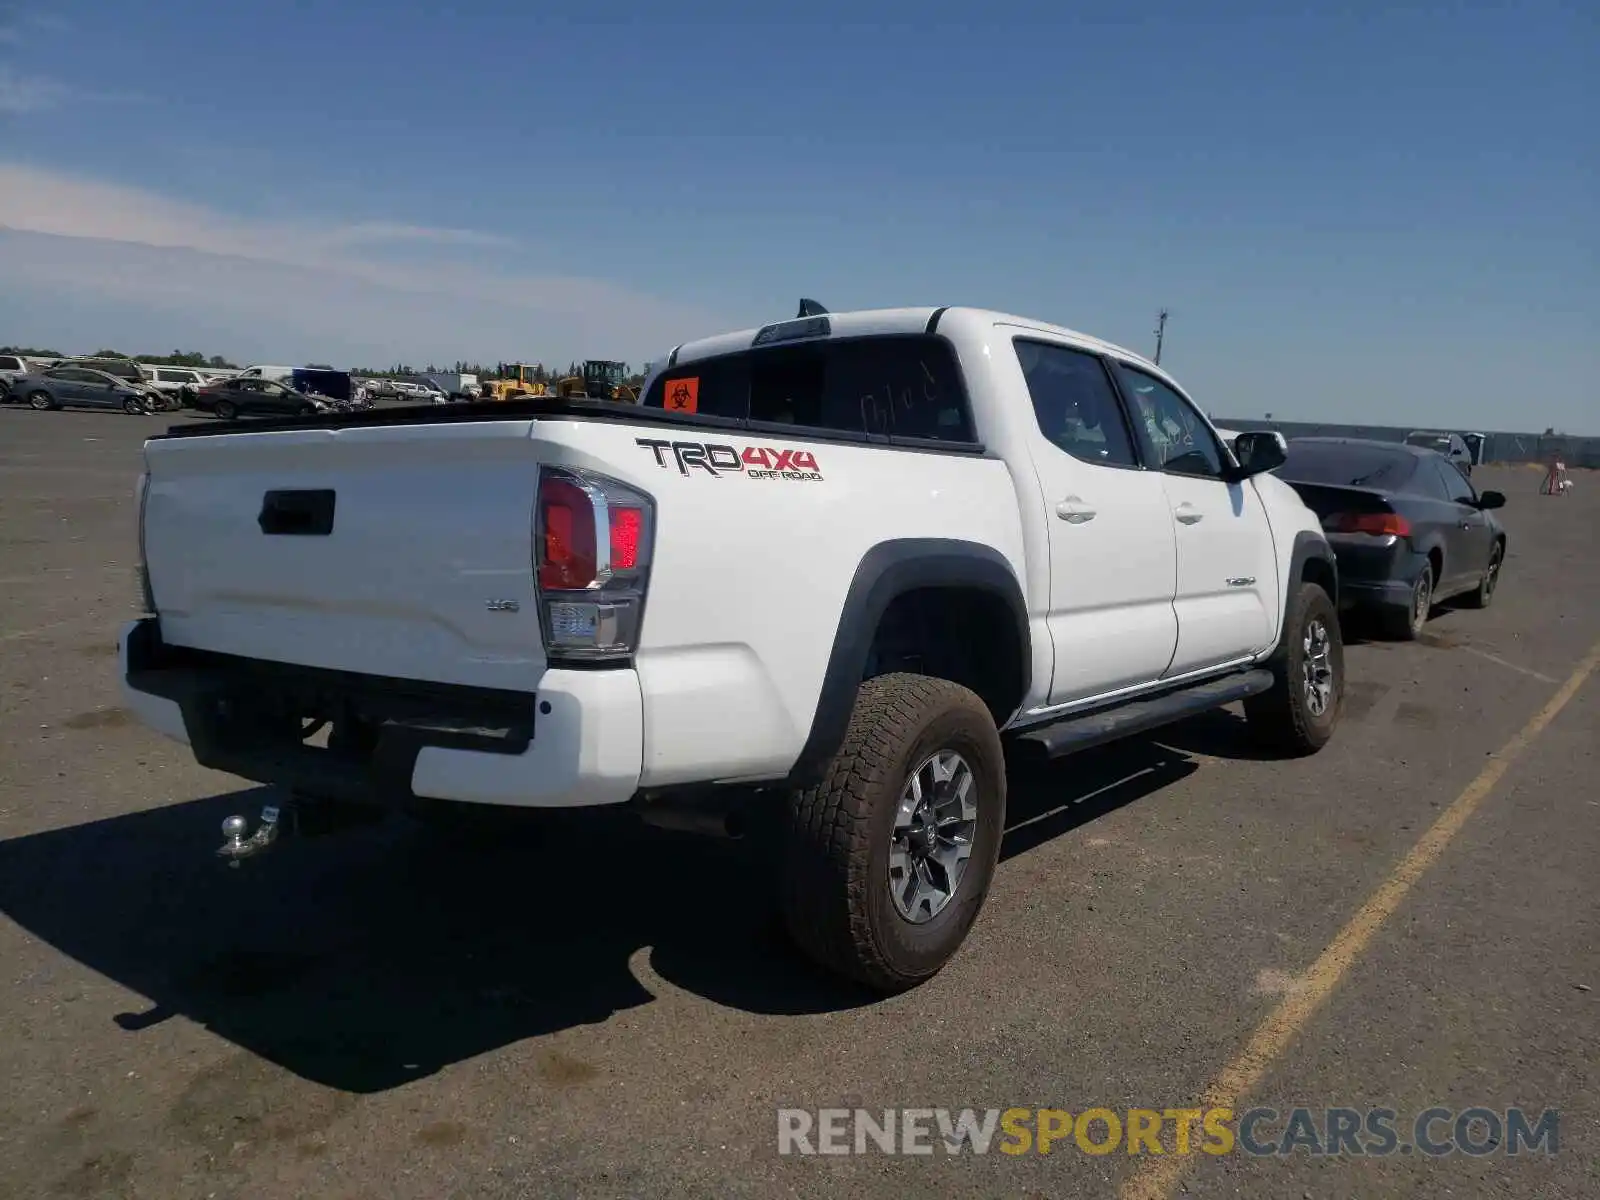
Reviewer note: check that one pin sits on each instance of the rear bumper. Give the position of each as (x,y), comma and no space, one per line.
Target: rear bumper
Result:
(575,742)
(1375,571)
(1363,593)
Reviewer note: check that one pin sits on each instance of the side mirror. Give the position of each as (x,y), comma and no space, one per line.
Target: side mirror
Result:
(1491,500)
(1259,452)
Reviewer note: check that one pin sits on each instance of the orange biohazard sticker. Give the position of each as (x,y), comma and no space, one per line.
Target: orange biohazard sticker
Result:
(683,395)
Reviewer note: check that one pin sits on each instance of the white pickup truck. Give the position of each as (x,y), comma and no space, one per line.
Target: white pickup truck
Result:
(835,569)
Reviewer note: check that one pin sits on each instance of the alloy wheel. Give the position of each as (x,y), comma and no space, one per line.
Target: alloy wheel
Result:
(931,842)
(1317,654)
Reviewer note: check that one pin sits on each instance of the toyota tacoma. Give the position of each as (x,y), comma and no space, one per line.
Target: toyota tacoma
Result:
(836,568)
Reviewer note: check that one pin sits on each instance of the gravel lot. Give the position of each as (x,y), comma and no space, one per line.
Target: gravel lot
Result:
(382,1015)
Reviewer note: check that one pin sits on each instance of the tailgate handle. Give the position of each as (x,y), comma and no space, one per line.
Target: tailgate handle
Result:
(307,513)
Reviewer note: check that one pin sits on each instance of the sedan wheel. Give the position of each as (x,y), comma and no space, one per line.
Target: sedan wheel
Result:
(227,410)
(1406,623)
(1484,594)
(132,407)
(40,401)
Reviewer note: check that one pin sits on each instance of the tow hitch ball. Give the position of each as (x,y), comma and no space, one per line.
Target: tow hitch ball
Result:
(237,846)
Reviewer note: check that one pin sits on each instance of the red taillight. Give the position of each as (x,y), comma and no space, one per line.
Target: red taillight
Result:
(567,519)
(591,592)
(627,525)
(1377,524)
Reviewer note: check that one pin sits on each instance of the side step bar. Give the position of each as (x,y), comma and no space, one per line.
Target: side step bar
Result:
(1071,734)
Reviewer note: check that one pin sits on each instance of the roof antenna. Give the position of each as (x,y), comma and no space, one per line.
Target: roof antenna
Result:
(810,308)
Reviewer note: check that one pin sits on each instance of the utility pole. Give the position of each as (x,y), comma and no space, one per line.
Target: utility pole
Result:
(1161,330)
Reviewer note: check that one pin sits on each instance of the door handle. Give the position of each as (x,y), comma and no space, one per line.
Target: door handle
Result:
(1187,513)
(1075,511)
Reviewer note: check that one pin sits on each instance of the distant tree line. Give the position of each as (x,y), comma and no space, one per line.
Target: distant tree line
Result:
(178,358)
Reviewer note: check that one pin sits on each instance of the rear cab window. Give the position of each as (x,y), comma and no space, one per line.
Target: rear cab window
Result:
(890,386)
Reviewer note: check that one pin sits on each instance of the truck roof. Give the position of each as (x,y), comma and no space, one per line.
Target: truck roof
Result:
(865,322)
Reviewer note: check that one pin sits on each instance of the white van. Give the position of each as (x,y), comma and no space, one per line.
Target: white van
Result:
(267,371)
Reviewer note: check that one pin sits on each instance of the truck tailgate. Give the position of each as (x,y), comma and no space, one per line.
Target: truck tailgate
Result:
(417,566)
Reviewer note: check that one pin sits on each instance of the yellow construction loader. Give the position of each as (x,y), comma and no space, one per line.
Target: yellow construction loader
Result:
(602,379)
(517,381)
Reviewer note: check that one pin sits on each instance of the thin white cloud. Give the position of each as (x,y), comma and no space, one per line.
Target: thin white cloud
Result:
(394,231)
(310,284)
(22,94)
(41,201)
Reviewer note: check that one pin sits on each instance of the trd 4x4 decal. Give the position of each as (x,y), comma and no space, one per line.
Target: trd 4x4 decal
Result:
(718,459)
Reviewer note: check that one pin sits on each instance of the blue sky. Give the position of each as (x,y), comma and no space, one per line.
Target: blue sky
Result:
(1383,211)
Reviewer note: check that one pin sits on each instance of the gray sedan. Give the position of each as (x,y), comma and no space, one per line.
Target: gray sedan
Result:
(79,387)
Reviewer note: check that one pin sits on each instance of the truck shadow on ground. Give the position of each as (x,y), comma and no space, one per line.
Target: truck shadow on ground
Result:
(371,959)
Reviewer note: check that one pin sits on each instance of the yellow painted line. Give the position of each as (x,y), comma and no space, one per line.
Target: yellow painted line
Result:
(1157,1176)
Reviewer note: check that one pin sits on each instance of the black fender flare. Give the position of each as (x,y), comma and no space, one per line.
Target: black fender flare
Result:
(888,570)
(1307,546)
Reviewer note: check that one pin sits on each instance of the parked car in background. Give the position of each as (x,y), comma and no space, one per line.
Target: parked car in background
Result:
(1452,445)
(258,397)
(11,366)
(184,383)
(131,373)
(72,386)
(1408,527)
(1227,435)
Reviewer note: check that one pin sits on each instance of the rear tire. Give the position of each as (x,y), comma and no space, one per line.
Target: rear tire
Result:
(1483,595)
(226,410)
(1298,716)
(1406,624)
(842,849)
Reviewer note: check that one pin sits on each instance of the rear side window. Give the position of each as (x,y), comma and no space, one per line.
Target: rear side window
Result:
(900,386)
(1075,404)
(8,363)
(122,370)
